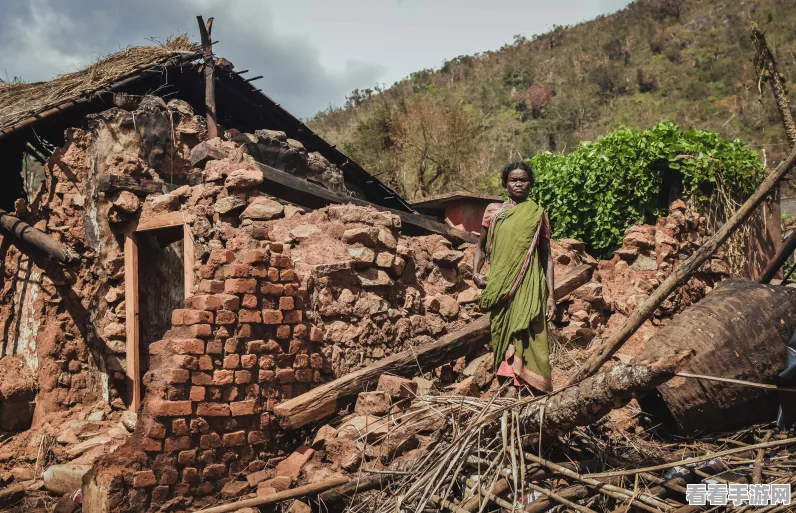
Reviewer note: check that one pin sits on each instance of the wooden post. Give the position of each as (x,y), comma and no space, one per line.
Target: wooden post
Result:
(210,67)
(37,238)
(189,257)
(131,321)
(779,259)
(609,346)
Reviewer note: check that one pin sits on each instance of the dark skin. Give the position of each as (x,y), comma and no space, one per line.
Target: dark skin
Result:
(518,186)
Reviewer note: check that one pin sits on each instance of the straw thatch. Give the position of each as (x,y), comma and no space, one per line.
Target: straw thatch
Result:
(20,100)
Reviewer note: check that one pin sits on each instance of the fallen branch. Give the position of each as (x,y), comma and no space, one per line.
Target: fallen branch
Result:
(37,238)
(609,346)
(274,498)
(741,382)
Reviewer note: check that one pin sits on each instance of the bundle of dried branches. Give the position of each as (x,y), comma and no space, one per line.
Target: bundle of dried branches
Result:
(19,100)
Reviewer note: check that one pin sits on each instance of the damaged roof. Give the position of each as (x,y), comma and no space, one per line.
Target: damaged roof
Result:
(32,112)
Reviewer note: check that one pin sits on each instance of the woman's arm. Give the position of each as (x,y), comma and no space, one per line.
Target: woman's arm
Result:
(547,262)
(478,259)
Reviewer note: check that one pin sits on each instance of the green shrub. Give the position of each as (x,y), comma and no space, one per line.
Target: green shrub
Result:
(597,191)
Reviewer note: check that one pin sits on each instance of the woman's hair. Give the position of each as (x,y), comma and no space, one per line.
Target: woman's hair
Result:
(504,177)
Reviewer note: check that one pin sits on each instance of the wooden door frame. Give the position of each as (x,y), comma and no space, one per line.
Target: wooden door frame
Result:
(158,222)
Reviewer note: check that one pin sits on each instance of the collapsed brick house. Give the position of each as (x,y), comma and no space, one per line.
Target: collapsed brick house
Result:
(188,285)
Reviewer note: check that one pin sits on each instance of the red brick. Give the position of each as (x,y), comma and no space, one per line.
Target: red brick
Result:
(187,458)
(273,274)
(232,361)
(252,256)
(243,377)
(272,346)
(316,335)
(179,427)
(316,361)
(190,475)
(293,317)
(197,317)
(272,289)
(255,346)
(297,347)
(249,316)
(275,247)
(291,289)
(258,437)
(248,361)
(243,408)
(229,394)
(222,256)
(151,445)
(240,286)
(205,363)
(266,376)
(286,303)
(160,493)
(155,430)
(207,271)
(206,302)
(178,375)
(168,476)
(225,317)
(198,394)
(189,346)
(214,347)
(249,301)
(237,271)
(272,317)
(159,347)
(281,261)
(267,362)
(181,443)
(210,441)
(223,377)
(300,331)
(287,275)
(161,408)
(291,466)
(214,471)
(235,439)
(259,271)
(201,379)
(302,361)
(213,410)
(144,479)
(201,330)
(229,301)
(231,345)
(211,286)
(177,317)
(283,332)
(285,375)
(304,375)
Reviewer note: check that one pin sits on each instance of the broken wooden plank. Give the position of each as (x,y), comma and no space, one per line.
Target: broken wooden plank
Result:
(205,30)
(37,238)
(133,366)
(110,183)
(157,222)
(609,346)
(302,192)
(327,399)
(568,283)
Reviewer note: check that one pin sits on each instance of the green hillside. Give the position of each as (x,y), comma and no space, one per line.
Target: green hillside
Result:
(688,61)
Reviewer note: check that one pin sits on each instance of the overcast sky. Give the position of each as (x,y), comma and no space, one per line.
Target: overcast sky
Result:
(311,52)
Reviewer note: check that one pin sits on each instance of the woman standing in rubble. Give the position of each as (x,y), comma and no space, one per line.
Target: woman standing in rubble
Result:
(518,293)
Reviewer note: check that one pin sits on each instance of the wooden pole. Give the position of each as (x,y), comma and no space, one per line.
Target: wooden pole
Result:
(766,68)
(609,346)
(133,354)
(779,259)
(37,238)
(210,66)
(274,498)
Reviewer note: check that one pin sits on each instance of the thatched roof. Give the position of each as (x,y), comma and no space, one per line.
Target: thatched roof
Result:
(20,100)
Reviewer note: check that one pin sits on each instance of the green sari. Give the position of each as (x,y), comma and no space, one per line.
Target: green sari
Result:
(516,295)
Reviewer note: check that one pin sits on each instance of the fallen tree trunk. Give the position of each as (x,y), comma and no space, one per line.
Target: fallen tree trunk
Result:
(327,399)
(739,330)
(36,238)
(609,346)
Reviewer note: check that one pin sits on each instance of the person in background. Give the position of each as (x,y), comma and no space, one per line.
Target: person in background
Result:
(518,291)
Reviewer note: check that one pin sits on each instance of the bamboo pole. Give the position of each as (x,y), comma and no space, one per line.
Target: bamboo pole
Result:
(274,498)
(608,347)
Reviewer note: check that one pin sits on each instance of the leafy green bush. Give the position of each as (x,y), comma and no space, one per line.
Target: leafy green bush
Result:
(597,191)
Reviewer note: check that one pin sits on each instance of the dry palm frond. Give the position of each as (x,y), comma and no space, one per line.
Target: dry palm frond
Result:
(19,100)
